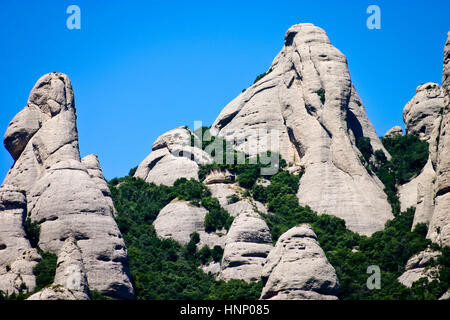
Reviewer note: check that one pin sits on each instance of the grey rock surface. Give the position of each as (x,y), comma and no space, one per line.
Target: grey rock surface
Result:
(308,99)
(439,229)
(172,158)
(17,257)
(94,170)
(179,219)
(70,281)
(394,131)
(297,269)
(419,193)
(61,195)
(422,113)
(212,267)
(216,176)
(418,267)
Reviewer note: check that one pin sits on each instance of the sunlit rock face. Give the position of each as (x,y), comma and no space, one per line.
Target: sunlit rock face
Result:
(439,229)
(297,269)
(172,158)
(65,196)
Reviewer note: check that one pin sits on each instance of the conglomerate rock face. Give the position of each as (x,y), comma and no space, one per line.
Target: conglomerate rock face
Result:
(247,245)
(70,281)
(17,257)
(63,196)
(422,113)
(427,116)
(95,172)
(418,267)
(439,229)
(297,269)
(419,193)
(179,219)
(308,101)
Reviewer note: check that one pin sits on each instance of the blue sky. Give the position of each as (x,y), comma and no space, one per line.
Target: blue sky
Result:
(141,68)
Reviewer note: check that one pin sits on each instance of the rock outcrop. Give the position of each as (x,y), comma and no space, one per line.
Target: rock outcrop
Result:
(173,157)
(247,245)
(422,113)
(179,219)
(422,116)
(439,229)
(297,269)
(307,109)
(418,267)
(17,257)
(395,131)
(427,116)
(95,172)
(61,195)
(217,176)
(70,278)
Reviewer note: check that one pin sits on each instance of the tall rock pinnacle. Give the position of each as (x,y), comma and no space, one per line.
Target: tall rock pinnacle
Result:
(308,97)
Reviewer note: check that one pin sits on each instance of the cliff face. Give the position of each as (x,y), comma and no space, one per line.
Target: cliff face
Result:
(439,229)
(308,97)
(65,197)
(308,104)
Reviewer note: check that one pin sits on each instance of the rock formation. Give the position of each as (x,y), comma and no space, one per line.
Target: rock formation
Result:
(418,267)
(179,219)
(419,193)
(247,245)
(439,229)
(216,176)
(173,157)
(95,172)
(308,101)
(62,195)
(70,278)
(422,113)
(17,257)
(423,118)
(395,131)
(297,269)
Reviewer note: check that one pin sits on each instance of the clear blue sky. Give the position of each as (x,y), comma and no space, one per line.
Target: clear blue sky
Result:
(141,68)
